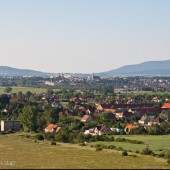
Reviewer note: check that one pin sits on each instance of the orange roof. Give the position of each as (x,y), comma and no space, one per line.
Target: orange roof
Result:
(85,117)
(58,129)
(130,126)
(51,126)
(166,105)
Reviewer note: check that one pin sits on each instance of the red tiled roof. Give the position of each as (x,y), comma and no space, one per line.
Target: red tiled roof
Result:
(58,129)
(85,117)
(130,126)
(14,100)
(166,105)
(50,127)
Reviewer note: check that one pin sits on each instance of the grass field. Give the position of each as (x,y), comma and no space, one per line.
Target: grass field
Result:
(154,142)
(25,89)
(28,154)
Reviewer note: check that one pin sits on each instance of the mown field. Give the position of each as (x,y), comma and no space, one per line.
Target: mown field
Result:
(25,89)
(30,154)
(157,143)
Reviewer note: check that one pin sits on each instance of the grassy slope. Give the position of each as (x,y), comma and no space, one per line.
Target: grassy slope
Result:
(29,154)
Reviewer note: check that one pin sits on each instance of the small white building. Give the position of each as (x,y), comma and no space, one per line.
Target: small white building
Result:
(13,125)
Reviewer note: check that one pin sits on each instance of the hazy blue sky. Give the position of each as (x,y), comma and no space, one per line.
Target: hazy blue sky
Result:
(83,35)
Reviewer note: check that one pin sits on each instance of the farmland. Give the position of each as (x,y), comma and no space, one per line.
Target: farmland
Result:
(35,90)
(26,153)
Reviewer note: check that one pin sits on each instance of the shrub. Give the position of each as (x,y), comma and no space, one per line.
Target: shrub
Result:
(3,133)
(124,153)
(167,154)
(161,155)
(82,144)
(99,149)
(135,156)
(99,146)
(147,151)
(168,161)
(120,149)
(10,131)
(27,136)
(137,152)
(111,147)
(53,143)
(39,137)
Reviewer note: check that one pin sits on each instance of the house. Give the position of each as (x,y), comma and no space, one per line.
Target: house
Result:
(155,121)
(130,106)
(146,111)
(99,130)
(145,120)
(86,118)
(117,130)
(13,125)
(102,130)
(14,100)
(126,115)
(130,127)
(52,128)
(102,107)
(90,111)
(166,106)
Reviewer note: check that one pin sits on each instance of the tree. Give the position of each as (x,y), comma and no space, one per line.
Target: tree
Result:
(49,92)
(51,115)
(20,95)
(4,99)
(7,89)
(28,118)
(28,94)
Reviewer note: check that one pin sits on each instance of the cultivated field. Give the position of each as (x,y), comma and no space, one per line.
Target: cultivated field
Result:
(26,153)
(25,89)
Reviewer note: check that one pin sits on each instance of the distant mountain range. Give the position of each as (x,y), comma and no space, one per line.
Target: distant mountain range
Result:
(12,72)
(149,68)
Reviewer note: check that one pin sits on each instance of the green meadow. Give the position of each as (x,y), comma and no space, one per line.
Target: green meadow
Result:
(27,153)
(35,90)
(157,143)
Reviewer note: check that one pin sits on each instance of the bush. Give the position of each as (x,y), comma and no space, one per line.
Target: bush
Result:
(128,140)
(53,143)
(82,144)
(135,156)
(168,161)
(10,131)
(39,137)
(148,151)
(137,152)
(167,154)
(161,155)
(124,153)
(3,133)
(27,136)
(120,149)
(99,149)
(111,147)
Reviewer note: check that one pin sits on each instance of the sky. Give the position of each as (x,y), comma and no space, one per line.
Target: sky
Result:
(83,36)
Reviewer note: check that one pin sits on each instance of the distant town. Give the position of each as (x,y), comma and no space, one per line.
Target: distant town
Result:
(117,104)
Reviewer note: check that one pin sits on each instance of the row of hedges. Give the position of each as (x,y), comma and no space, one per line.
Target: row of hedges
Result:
(71,138)
(145,151)
(129,141)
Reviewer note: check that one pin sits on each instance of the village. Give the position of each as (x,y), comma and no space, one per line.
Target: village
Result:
(86,112)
